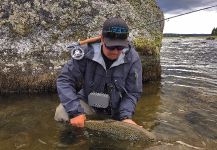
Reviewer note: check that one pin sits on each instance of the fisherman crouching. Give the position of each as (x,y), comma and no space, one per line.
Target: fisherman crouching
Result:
(110,71)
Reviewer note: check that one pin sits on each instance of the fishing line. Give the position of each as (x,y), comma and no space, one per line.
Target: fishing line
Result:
(145,25)
(179,15)
(190,12)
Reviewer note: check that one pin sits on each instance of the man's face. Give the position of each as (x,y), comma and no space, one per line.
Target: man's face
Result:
(110,52)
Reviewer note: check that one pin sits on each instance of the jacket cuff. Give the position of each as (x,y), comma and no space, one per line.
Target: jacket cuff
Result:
(125,115)
(80,111)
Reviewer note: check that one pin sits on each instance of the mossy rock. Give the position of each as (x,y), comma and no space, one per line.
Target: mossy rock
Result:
(146,47)
(149,51)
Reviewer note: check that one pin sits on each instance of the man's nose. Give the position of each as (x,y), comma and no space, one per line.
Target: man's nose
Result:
(116,51)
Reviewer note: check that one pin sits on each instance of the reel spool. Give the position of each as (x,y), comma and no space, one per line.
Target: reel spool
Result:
(76,51)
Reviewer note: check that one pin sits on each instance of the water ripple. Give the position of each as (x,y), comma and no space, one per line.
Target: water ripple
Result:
(190,63)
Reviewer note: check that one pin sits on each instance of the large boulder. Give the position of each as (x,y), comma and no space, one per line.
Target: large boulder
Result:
(34,35)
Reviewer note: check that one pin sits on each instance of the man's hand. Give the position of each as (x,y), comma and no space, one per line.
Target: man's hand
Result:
(78,121)
(130,121)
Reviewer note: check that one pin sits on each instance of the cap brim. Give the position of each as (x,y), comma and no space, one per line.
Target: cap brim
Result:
(116,42)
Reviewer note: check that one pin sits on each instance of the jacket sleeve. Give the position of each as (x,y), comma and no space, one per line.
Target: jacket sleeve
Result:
(133,90)
(66,86)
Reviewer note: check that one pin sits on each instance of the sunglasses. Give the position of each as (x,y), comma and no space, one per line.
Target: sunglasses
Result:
(116,35)
(111,48)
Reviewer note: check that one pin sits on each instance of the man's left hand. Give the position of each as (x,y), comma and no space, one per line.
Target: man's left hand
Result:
(130,121)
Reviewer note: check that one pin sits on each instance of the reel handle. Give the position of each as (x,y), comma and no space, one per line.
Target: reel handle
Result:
(90,40)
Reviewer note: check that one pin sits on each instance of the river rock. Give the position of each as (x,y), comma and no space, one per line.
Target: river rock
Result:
(34,35)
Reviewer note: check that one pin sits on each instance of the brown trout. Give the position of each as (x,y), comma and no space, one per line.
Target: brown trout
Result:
(120,130)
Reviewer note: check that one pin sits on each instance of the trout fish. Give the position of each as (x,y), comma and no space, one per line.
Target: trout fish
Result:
(120,130)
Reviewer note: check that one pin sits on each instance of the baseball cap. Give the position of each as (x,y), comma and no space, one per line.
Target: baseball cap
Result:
(115,32)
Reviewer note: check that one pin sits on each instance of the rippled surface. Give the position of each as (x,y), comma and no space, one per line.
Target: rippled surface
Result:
(190,63)
(188,109)
(181,109)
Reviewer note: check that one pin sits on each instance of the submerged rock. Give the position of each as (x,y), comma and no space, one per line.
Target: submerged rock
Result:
(34,35)
(210,38)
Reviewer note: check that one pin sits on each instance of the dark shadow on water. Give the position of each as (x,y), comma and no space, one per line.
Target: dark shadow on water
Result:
(69,136)
(103,142)
(202,125)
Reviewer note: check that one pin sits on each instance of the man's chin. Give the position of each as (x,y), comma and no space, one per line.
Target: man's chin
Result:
(113,57)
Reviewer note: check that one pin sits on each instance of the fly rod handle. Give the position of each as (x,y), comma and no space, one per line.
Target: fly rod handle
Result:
(90,40)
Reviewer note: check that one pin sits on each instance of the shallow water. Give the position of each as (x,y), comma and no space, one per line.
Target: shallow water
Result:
(181,109)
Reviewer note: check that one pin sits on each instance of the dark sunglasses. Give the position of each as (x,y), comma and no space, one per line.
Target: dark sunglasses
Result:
(111,48)
(116,35)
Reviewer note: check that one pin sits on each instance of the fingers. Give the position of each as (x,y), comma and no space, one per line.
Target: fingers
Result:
(131,122)
(78,121)
(77,124)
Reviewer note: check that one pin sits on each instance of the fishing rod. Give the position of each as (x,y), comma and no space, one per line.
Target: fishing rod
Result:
(181,14)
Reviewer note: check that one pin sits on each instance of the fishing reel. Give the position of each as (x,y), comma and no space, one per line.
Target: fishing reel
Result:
(77,52)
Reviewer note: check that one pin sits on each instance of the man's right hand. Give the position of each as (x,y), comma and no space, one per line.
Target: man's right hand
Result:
(78,121)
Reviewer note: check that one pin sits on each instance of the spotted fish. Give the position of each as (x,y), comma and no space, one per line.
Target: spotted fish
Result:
(120,130)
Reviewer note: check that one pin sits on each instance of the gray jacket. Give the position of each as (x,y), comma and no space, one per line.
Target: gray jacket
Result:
(124,77)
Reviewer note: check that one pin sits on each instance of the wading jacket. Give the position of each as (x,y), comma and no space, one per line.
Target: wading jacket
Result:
(124,78)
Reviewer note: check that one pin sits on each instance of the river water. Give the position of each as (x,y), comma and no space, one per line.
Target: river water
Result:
(181,108)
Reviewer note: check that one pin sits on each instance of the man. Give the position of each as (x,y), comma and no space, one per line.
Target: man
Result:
(111,75)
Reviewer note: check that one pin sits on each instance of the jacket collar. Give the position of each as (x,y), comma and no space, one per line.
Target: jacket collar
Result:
(97,56)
